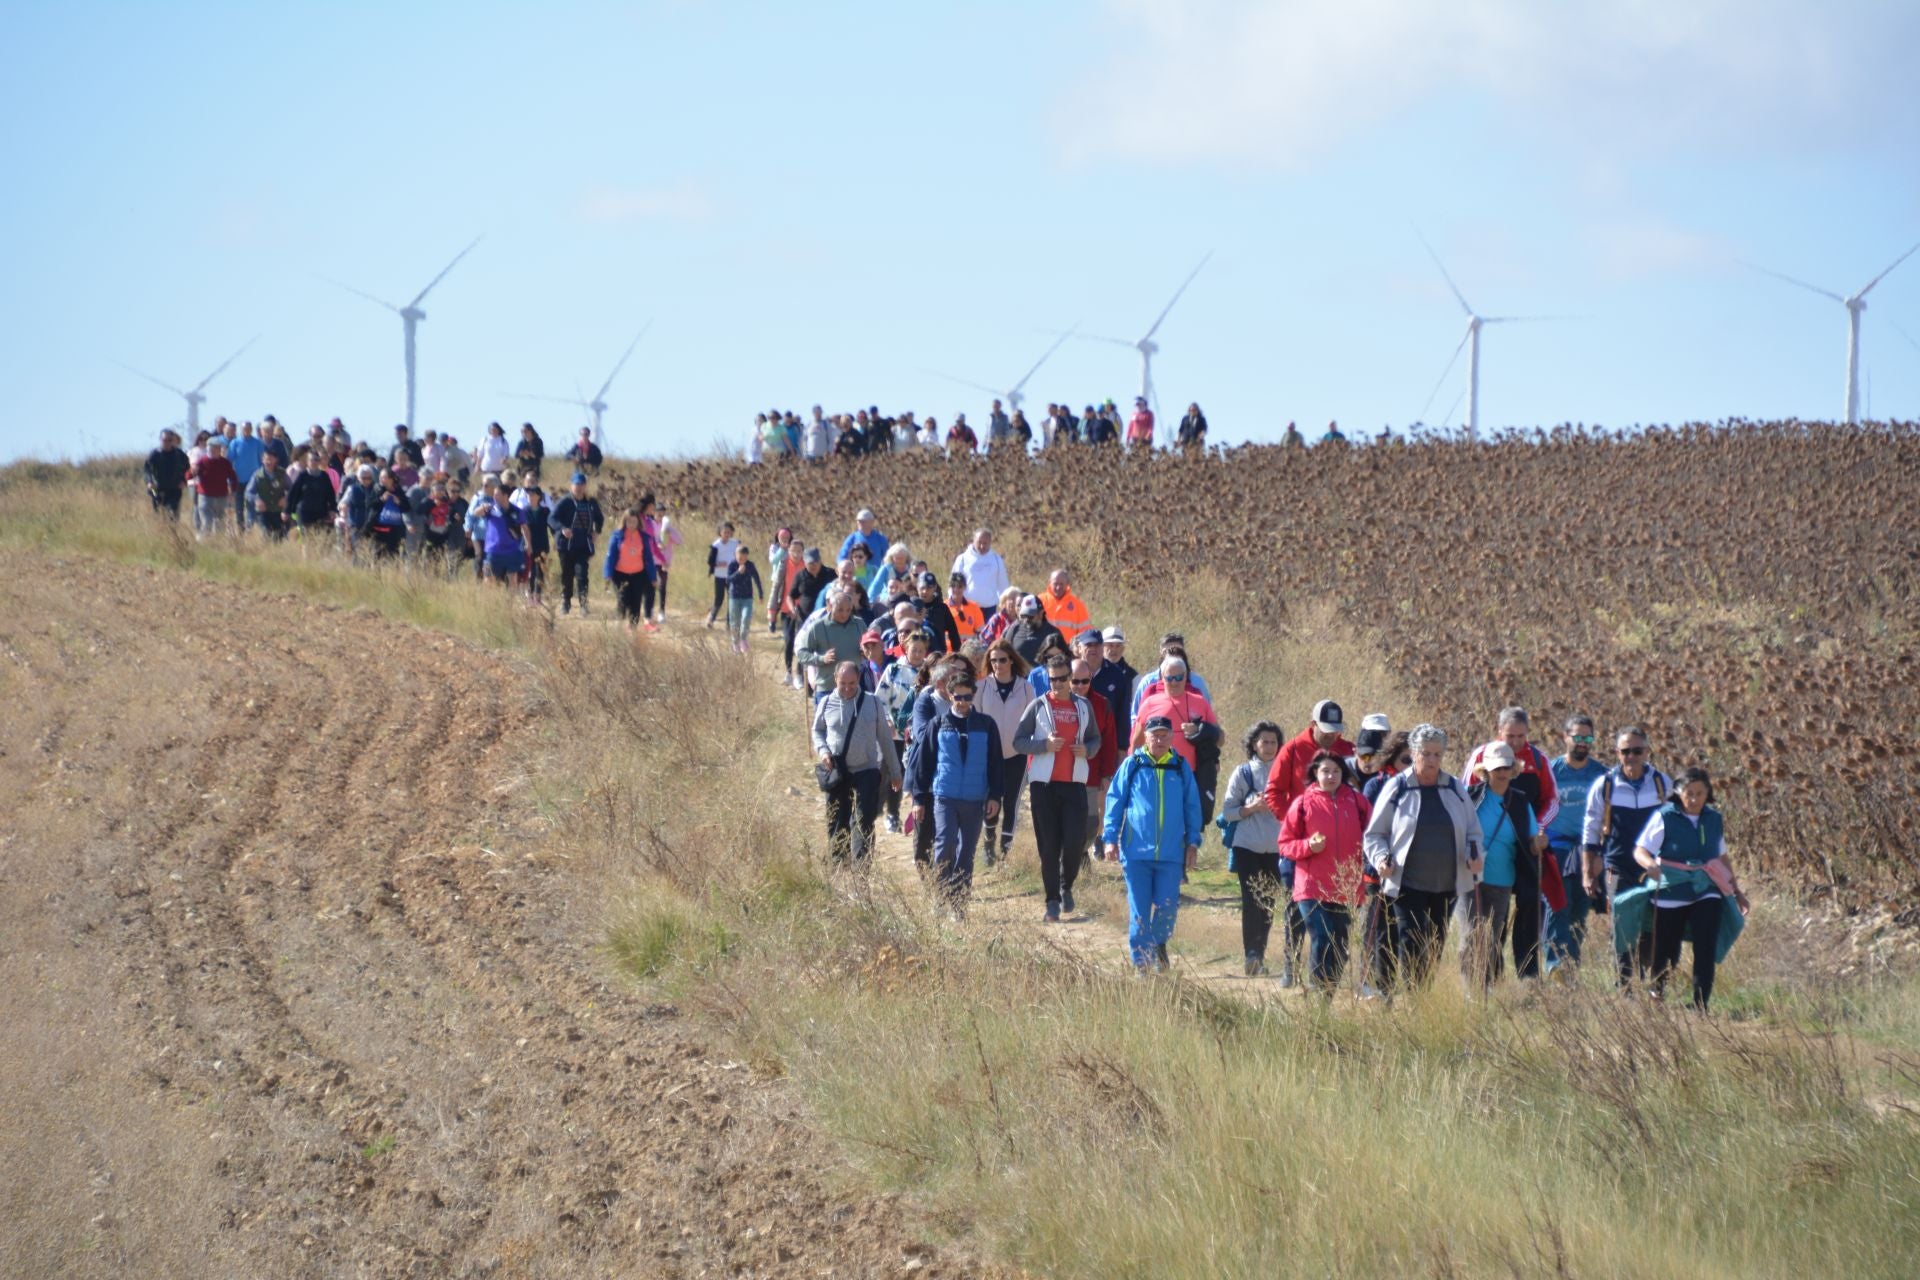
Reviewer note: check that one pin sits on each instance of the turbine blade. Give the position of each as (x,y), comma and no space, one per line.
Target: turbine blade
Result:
(358,293)
(1454,409)
(1768,271)
(1526,319)
(1884,274)
(1021,385)
(1128,343)
(1441,381)
(1911,340)
(1457,295)
(150,378)
(965,382)
(421,296)
(601,394)
(1175,298)
(229,360)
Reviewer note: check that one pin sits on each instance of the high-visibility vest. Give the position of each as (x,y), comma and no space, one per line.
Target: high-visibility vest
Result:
(1065,612)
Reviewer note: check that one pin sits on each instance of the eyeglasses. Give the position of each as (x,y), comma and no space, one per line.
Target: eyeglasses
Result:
(1633,751)
(1083,684)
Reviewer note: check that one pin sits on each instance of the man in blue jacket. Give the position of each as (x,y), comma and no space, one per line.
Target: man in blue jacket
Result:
(1153,828)
(956,778)
(866,531)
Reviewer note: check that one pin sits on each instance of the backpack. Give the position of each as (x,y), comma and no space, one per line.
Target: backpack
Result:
(1220,821)
(1606,801)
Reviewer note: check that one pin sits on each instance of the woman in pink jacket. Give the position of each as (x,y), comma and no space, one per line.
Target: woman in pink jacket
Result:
(1321,834)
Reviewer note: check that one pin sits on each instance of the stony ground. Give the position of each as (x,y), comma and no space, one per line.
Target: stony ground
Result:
(284,995)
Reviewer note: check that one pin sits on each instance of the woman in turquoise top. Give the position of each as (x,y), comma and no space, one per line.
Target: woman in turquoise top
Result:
(1685,845)
(1506,820)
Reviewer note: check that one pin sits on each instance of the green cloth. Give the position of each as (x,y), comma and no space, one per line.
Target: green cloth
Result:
(1633,916)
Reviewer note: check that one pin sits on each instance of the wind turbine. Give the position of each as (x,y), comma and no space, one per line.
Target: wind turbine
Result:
(598,405)
(1471,341)
(410,317)
(1145,344)
(1854,305)
(1013,395)
(193,398)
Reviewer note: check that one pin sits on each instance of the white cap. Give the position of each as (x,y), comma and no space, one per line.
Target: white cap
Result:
(1114,635)
(1328,717)
(1496,755)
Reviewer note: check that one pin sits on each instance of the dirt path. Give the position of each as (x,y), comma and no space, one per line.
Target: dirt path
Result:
(283,998)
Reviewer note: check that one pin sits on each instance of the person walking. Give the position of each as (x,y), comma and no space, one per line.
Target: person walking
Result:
(1321,835)
(1289,776)
(631,569)
(830,639)
(898,686)
(1683,851)
(1065,610)
(1193,430)
(311,498)
(957,783)
(1618,808)
(1153,830)
(1059,735)
(1198,733)
(783,562)
(853,746)
(866,532)
(1003,698)
(743,587)
(1575,773)
(575,521)
(720,557)
(802,596)
(267,496)
(1253,855)
(166,474)
(387,517)
(1507,898)
(985,570)
(669,541)
(1424,841)
(215,484)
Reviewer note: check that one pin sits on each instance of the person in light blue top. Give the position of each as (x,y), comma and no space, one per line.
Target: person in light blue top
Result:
(1507,831)
(1574,775)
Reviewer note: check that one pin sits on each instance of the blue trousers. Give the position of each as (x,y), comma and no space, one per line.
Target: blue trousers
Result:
(956,835)
(1326,924)
(1153,901)
(1566,928)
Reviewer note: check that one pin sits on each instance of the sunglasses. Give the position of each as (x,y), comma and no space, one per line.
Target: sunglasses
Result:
(1633,751)
(1584,739)
(962,699)
(1083,684)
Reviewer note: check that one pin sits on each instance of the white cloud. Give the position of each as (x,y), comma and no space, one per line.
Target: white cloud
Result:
(1282,81)
(683,201)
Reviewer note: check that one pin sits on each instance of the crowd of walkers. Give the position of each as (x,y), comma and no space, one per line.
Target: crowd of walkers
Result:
(955,700)
(949,703)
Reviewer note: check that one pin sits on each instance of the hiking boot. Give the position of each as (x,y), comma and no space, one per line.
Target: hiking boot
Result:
(1066,902)
(1053,914)
(583,606)
(1160,962)
(566,607)
(1256,966)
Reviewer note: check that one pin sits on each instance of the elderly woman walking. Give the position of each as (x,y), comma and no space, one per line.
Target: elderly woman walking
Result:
(1424,841)
(1253,844)
(853,745)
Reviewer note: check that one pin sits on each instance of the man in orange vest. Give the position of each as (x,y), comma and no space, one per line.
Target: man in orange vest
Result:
(968,617)
(1063,608)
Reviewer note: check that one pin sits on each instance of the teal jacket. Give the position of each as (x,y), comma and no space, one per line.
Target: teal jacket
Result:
(1633,916)
(1153,808)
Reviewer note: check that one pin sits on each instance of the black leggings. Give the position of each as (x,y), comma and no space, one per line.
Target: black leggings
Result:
(636,596)
(1260,890)
(1671,926)
(573,573)
(1013,779)
(719,599)
(788,626)
(1420,923)
(1059,814)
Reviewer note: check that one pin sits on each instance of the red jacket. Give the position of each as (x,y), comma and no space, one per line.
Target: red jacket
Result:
(1100,769)
(216,477)
(1333,874)
(1289,776)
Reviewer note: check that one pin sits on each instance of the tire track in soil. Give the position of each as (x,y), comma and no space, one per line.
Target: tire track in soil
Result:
(310,942)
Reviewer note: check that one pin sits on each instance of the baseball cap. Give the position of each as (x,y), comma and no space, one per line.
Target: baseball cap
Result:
(1090,636)
(1373,734)
(579,477)
(1115,635)
(872,636)
(864,514)
(1159,722)
(812,556)
(1496,755)
(1327,716)
(1029,605)
(929,580)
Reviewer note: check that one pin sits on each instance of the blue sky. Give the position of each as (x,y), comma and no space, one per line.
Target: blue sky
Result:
(819,203)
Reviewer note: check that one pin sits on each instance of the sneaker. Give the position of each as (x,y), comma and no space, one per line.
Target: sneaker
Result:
(650,627)
(1255,966)
(583,608)
(1053,914)
(566,607)
(1160,962)
(1286,975)
(1369,992)
(893,825)
(1066,902)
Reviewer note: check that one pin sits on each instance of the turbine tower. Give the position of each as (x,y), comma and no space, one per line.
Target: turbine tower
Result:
(1854,305)
(1471,341)
(598,405)
(1013,395)
(410,317)
(193,398)
(1147,347)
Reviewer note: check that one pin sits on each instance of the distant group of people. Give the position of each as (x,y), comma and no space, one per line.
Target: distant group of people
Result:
(956,698)
(783,435)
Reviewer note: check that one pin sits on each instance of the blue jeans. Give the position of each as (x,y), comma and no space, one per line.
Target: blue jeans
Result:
(1566,928)
(1326,924)
(956,835)
(739,618)
(1153,901)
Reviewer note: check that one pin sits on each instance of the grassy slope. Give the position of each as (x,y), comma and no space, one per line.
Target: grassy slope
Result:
(1090,1125)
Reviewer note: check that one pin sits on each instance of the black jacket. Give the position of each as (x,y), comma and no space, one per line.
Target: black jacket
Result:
(310,499)
(1027,635)
(167,469)
(806,589)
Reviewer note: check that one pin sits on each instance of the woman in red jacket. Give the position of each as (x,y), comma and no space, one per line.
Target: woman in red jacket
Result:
(1321,834)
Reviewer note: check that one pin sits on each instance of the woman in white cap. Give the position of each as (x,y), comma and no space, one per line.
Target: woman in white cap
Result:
(1508,895)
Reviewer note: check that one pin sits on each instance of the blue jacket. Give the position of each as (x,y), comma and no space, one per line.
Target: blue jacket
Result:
(244,453)
(613,555)
(1153,808)
(877,545)
(958,762)
(561,519)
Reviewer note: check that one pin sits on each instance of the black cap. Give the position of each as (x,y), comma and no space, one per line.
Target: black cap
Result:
(929,580)
(1159,722)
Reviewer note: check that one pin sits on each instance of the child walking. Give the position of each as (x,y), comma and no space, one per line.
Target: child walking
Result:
(743,584)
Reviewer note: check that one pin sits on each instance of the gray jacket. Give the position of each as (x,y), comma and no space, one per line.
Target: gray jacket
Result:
(1036,726)
(858,730)
(1257,832)
(1396,814)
